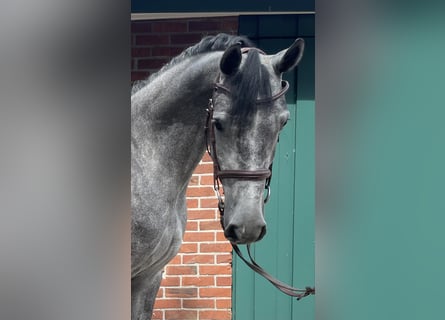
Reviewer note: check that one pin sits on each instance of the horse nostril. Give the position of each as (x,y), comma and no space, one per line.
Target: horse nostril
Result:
(230,232)
(263,233)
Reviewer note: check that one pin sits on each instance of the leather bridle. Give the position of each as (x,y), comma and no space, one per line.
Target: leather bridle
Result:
(218,174)
(253,175)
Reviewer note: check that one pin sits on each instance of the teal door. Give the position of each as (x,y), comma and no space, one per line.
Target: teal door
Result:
(287,251)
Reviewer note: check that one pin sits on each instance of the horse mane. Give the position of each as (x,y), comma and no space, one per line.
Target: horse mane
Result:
(219,42)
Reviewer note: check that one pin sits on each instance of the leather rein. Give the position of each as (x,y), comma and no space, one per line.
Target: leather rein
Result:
(253,175)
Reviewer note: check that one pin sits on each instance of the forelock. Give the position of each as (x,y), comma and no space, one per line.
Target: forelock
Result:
(249,84)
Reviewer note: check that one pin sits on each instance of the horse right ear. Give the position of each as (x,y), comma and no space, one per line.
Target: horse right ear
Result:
(231,60)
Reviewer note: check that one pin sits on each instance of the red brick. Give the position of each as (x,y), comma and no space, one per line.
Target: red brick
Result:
(199,236)
(198,281)
(201,214)
(224,281)
(198,303)
(140,26)
(192,226)
(169,26)
(223,303)
(181,314)
(151,63)
(206,158)
(221,237)
(215,247)
(201,258)
(174,51)
(141,52)
(185,38)
(160,293)
(161,51)
(181,292)
(207,180)
(200,192)
(158,315)
(194,181)
(192,203)
(180,270)
(176,260)
(171,282)
(230,25)
(152,39)
(167,304)
(210,225)
(204,168)
(209,203)
(189,248)
(214,292)
(204,25)
(139,75)
(215,314)
(224,258)
(215,269)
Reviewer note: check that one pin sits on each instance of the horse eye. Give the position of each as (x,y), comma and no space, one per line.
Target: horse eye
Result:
(217,124)
(284,118)
(284,122)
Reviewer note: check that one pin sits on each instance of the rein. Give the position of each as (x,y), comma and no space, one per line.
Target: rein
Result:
(286,289)
(254,175)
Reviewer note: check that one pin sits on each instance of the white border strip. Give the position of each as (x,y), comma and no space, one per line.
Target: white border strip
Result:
(182,15)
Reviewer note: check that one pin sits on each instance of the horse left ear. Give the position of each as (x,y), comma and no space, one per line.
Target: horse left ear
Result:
(289,58)
(231,60)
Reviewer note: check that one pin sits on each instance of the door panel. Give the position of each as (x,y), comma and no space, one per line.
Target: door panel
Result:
(287,251)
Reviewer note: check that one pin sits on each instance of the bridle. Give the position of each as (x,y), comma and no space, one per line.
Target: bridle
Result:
(252,175)
(218,174)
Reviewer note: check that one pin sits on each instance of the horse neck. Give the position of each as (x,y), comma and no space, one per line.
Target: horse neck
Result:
(168,119)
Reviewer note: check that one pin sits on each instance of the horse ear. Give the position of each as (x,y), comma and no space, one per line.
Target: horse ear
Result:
(231,60)
(289,58)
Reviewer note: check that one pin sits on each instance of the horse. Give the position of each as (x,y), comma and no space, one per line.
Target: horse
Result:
(224,95)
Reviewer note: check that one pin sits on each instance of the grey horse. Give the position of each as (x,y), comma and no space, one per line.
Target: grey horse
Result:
(169,112)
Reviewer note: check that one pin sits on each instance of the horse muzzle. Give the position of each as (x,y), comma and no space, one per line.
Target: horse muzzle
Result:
(243,218)
(242,234)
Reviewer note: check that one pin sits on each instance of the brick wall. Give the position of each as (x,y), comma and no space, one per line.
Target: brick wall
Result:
(156,42)
(197,283)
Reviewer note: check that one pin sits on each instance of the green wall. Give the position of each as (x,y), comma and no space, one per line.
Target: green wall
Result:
(287,251)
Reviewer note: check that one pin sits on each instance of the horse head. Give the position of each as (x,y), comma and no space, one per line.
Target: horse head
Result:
(247,112)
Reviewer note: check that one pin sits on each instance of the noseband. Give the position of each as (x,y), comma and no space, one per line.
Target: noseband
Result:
(252,175)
